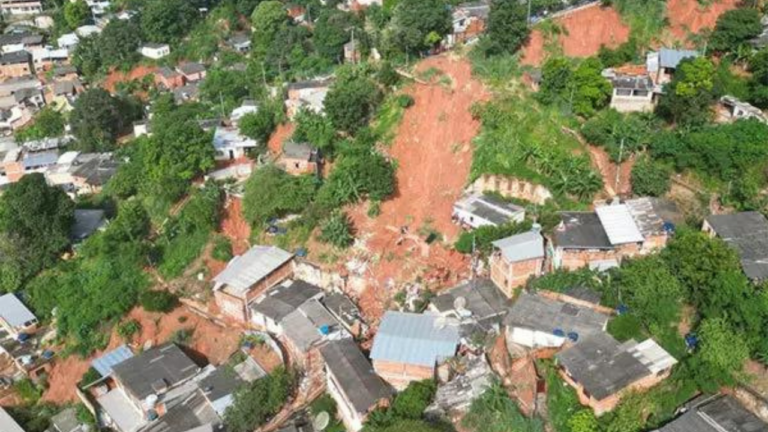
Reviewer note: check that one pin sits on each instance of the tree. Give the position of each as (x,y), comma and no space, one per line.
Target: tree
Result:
(131,224)
(271,192)
(259,125)
(590,90)
(35,222)
(355,177)
(332,30)
(87,56)
(722,352)
(314,128)
(223,86)
(256,402)
(735,28)
(337,230)
(76,13)
(47,123)
(650,178)
(97,118)
(688,96)
(351,101)
(651,291)
(267,20)
(414,20)
(158,301)
(167,21)
(507,26)
(118,43)
(555,78)
(411,402)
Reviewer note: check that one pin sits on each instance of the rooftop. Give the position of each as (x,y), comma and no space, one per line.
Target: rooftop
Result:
(342,308)
(354,374)
(415,339)
(15,57)
(647,214)
(191,68)
(155,370)
(66,421)
(581,230)
(670,58)
(521,247)
(87,221)
(191,413)
(13,311)
(308,325)
(488,207)
(716,414)
(108,360)
(618,223)
(546,315)
(605,367)
(7,423)
(632,82)
(747,233)
(245,270)
(294,150)
(226,137)
(480,298)
(281,300)
(121,410)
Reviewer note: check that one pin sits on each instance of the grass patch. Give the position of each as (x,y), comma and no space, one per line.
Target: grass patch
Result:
(562,401)
(179,253)
(388,118)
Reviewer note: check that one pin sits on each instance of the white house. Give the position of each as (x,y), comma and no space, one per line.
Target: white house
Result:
(230,144)
(155,51)
(87,30)
(476,210)
(68,41)
(248,107)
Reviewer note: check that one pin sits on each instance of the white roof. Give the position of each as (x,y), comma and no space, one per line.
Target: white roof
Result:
(521,247)
(87,30)
(618,224)
(121,410)
(653,356)
(13,311)
(224,138)
(245,270)
(68,157)
(7,423)
(68,39)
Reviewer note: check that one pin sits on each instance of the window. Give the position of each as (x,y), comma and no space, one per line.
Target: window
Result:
(641,93)
(623,92)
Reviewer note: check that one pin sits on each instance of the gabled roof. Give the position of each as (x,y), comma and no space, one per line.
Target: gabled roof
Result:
(15,57)
(280,301)
(157,368)
(296,150)
(354,374)
(618,224)
(13,311)
(415,339)
(306,325)
(245,270)
(66,421)
(539,313)
(747,233)
(716,414)
(521,247)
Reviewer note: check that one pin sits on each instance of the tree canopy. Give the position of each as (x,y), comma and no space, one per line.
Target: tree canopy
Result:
(98,118)
(166,21)
(507,28)
(418,25)
(735,28)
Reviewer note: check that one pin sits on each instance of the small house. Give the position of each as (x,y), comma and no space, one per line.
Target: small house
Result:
(68,41)
(733,109)
(410,347)
(248,106)
(352,382)
(15,318)
(468,22)
(87,222)
(476,210)
(747,234)
(192,71)
(155,51)
(230,144)
(66,421)
(270,308)
(168,78)
(16,64)
(186,93)
(248,276)
(517,258)
(21,7)
(307,94)
(299,158)
(602,369)
(661,65)
(91,171)
(632,93)
(240,42)
(477,304)
(715,413)
(20,40)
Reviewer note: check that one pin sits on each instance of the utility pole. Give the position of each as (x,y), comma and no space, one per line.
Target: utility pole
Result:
(528,21)
(618,166)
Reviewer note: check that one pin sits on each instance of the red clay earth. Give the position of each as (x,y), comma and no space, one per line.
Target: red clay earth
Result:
(136,73)
(689,16)
(210,340)
(434,153)
(602,161)
(281,134)
(585,31)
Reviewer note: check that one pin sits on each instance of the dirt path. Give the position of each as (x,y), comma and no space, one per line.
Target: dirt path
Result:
(608,170)
(586,30)
(433,153)
(689,16)
(282,133)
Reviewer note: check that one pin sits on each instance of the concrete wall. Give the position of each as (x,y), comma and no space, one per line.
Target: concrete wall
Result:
(512,187)
(399,375)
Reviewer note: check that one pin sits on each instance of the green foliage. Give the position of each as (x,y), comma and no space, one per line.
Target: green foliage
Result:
(352,100)
(47,123)
(650,178)
(688,96)
(583,421)
(267,20)
(255,403)
(495,411)
(484,236)
(722,353)
(646,18)
(222,249)
(337,230)
(76,13)
(623,54)
(625,327)
(118,44)
(507,27)
(225,87)
(28,391)
(620,134)
(355,177)
(90,376)
(34,418)
(271,193)
(126,331)
(158,301)
(98,118)
(411,402)
(562,402)
(314,128)
(561,280)
(406,425)
(35,222)
(582,88)
(413,21)
(87,56)
(182,336)
(167,21)
(262,123)
(735,28)
(332,30)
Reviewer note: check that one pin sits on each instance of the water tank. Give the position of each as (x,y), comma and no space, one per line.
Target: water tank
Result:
(558,332)
(325,330)
(573,336)
(151,401)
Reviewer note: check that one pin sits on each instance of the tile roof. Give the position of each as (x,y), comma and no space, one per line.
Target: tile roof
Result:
(415,339)
(618,224)
(13,311)
(539,313)
(521,247)
(245,270)
(164,366)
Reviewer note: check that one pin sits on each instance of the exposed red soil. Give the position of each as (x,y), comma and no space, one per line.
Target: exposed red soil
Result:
(434,154)
(608,169)
(234,226)
(279,136)
(136,73)
(211,341)
(585,31)
(689,16)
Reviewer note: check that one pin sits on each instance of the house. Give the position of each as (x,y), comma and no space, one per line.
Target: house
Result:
(352,382)
(601,239)
(516,258)
(21,7)
(468,22)
(307,94)
(240,42)
(632,93)
(91,171)
(346,313)
(248,106)
(454,398)
(538,321)
(141,128)
(733,109)
(747,233)
(661,65)
(20,41)
(230,144)
(155,51)
(477,304)
(220,385)
(248,276)
(47,57)
(299,158)
(87,222)
(186,93)
(7,423)
(15,318)
(716,413)
(269,309)
(16,64)
(410,347)
(475,210)
(68,41)
(602,370)
(66,421)
(192,71)
(87,30)
(168,78)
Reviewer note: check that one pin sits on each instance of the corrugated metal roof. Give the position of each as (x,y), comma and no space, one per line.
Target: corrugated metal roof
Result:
(619,224)
(105,363)
(415,339)
(13,311)
(521,247)
(247,269)
(670,58)
(7,423)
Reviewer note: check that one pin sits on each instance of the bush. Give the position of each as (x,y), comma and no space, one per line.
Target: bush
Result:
(222,249)
(337,230)
(90,376)
(182,336)
(650,178)
(405,101)
(625,327)
(28,391)
(127,329)
(158,301)
(411,402)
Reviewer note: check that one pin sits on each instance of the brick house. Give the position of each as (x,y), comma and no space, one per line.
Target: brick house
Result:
(410,347)
(16,64)
(515,259)
(248,276)
(192,71)
(602,370)
(468,22)
(299,158)
(168,78)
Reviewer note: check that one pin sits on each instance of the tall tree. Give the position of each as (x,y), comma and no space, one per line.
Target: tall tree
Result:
(688,96)
(118,43)
(76,13)
(418,24)
(267,20)
(352,100)
(332,30)
(98,118)
(167,21)
(735,28)
(507,26)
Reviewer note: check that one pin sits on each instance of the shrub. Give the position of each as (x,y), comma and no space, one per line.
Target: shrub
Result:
(222,249)
(158,301)
(182,336)
(625,327)
(650,178)
(337,230)
(405,101)
(127,329)
(28,391)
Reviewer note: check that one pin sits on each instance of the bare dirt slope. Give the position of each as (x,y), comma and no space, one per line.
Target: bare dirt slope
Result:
(690,16)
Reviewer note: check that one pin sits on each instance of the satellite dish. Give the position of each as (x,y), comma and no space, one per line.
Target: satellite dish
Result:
(321,421)
(460,303)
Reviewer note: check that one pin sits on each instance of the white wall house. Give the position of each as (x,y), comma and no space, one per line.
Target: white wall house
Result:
(155,51)
(230,144)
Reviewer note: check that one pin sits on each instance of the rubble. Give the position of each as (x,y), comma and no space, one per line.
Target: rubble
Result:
(454,398)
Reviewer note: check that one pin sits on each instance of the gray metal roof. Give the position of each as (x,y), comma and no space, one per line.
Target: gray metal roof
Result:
(581,230)
(415,339)
(87,221)
(543,314)
(220,383)
(285,298)
(342,308)
(189,68)
(521,247)
(186,414)
(164,366)
(13,311)
(303,326)
(245,270)
(584,294)
(716,414)
(42,159)
(646,216)
(747,233)
(296,150)
(66,421)
(354,374)
(632,82)
(7,423)
(483,299)
(106,362)
(670,58)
